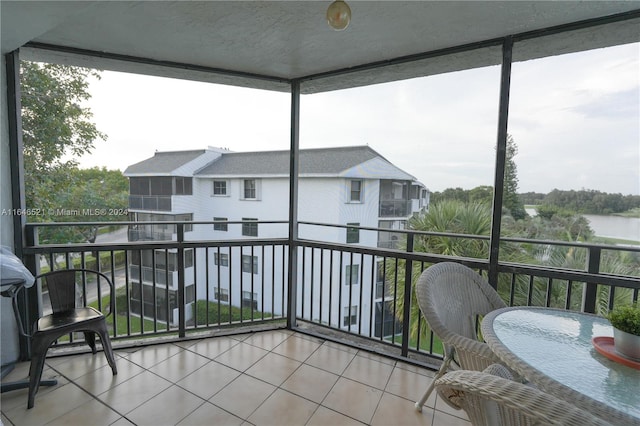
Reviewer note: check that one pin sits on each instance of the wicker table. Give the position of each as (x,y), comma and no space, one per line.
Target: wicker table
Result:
(552,349)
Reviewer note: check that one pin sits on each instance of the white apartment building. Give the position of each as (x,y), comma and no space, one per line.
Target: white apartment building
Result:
(348,186)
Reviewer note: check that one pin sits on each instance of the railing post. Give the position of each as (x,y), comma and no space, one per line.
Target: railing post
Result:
(408,290)
(182,317)
(590,291)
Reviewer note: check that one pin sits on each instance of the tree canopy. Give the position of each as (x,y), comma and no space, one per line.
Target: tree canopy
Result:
(591,201)
(510,200)
(57,129)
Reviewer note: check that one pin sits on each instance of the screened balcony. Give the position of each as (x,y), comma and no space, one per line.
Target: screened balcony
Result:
(295,315)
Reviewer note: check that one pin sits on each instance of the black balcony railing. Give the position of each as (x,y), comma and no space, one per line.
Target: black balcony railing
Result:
(349,289)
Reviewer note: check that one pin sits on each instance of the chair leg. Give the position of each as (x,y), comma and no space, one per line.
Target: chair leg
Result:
(39,352)
(106,347)
(443,369)
(90,338)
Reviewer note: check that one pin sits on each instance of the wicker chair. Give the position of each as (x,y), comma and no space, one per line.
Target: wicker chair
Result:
(491,398)
(453,298)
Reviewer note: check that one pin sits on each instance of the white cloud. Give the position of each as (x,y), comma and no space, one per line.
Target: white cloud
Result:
(574,118)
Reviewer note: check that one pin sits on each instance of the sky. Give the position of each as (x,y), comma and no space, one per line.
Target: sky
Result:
(575,119)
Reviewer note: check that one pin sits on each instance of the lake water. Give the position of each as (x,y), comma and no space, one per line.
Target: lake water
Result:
(627,228)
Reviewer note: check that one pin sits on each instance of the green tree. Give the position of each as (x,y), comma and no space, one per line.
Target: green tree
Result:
(450,216)
(481,194)
(450,194)
(511,201)
(92,195)
(56,127)
(591,201)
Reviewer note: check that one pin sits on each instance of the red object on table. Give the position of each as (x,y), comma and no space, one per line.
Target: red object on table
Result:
(604,345)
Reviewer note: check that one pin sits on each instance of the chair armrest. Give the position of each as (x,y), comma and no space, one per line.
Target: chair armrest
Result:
(526,400)
(12,291)
(112,299)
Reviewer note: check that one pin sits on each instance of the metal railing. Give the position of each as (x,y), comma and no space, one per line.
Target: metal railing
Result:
(352,289)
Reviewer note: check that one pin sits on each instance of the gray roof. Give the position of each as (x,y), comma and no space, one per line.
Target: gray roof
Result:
(164,162)
(312,161)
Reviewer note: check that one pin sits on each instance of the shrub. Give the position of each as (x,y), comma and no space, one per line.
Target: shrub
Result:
(626,318)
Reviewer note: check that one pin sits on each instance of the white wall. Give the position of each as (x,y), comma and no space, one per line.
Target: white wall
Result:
(324,200)
(324,291)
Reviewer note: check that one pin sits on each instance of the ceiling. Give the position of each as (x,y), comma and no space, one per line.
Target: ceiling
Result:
(266,44)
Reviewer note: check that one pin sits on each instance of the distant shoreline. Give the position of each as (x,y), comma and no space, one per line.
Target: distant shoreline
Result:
(635,213)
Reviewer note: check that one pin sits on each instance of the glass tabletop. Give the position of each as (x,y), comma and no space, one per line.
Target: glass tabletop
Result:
(557,344)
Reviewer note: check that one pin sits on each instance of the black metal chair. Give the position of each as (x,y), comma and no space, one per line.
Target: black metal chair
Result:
(67,317)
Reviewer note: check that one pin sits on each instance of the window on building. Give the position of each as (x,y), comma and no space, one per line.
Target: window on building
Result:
(221,294)
(250,227)
(355,188)
(184,185)
(399,190)
(142,257)
(220,226)
(250,264)
(219,187)
(250,190)
(221,259)
(163,260)
(162,185)
(380,280)
(386,323)
(351,274)
(189,293)
(350,316)
(139,186)
(353,234)
(172,259)
(250,300)
(188,258)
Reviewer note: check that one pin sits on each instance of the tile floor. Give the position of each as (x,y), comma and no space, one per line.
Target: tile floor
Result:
(267,378)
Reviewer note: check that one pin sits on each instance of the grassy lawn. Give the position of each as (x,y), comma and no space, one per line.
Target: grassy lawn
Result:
(136,325)
(121,325)
(121,318)
(629,213)
(226,313)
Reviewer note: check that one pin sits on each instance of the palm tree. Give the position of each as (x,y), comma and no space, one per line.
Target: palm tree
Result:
(451,216)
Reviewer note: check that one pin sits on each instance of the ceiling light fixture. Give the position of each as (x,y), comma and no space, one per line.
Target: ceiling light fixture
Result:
(338,15)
